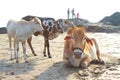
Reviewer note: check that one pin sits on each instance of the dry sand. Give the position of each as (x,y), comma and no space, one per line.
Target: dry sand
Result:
(43,68)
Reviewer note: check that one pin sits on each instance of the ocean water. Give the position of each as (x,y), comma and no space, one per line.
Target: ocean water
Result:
(108,42)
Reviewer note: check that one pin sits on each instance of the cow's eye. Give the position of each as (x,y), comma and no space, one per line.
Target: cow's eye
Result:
(45,23)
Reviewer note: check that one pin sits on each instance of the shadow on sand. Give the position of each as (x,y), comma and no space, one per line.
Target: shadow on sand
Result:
(8,67)
(57,71)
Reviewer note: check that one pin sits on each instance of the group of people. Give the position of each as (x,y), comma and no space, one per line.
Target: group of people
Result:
(73,14)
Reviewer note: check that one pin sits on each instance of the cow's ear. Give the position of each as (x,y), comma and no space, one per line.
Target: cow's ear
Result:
(36,20)
(83,29)
(67,38)
(89,41)
(70,31)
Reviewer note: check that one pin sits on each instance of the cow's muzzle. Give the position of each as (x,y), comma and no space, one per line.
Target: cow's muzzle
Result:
(78,52)
(38,33)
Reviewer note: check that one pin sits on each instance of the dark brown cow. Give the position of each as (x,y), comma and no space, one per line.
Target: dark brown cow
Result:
(52,29)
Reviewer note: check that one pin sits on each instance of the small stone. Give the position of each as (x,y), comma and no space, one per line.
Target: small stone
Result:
(112,69)
(12,73)
(9,73)
(98,71)
(83,73)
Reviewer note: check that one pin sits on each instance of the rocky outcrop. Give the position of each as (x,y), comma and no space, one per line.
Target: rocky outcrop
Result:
(95,27)
(99,27)
(114,19)
(91,27)
(3,30)
(102,29)
(78,21)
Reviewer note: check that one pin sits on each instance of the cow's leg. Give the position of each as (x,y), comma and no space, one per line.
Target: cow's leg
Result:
(44,51)
(85,62)
(24,50)
(97,49)
(67,62)
(17,50)
(46,45)
(10,47)
(29,43)
(48,49)
(100,61)
(14,49)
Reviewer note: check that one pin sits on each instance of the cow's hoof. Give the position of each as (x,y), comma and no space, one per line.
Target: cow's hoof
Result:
(102,62)
(49,57)
(35,54)
(11,59)
(17,61)
(26,61)
(84,65)
(94,62)
(97,62)
(45,55)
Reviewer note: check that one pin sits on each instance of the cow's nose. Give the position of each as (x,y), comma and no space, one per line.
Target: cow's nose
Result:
(77,55)
(38,33)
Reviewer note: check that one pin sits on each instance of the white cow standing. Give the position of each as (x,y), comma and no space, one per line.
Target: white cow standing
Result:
(21,31)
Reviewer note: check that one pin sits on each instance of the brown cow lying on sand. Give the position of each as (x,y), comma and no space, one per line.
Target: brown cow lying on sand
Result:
(79,50)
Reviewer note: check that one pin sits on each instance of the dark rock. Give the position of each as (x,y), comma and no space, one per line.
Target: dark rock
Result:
(114,19)
(96,29)
(3,30)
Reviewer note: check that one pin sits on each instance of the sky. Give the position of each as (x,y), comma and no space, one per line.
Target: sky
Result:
(92,10)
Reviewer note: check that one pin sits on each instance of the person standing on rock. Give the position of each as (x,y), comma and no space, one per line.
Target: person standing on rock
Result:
(77,15)
(68,13)
(73,13)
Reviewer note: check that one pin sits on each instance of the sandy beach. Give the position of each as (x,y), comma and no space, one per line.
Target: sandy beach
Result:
(44,68)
